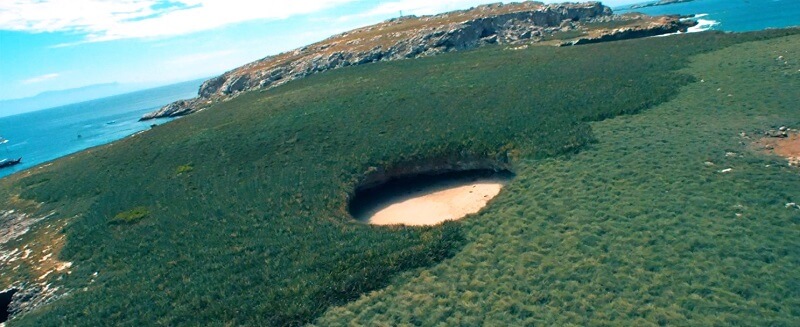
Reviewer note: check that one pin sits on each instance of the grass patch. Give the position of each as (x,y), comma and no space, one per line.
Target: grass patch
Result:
(130,217)
(564,35)
(260,233)
(184,169)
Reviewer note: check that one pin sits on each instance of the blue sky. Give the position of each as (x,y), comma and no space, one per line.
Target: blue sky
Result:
(61,44)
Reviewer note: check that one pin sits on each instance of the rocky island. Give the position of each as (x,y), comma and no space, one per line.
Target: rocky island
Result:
(651,181)
(413,37)
(659,3)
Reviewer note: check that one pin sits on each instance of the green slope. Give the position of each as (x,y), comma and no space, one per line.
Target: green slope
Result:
(636,229)
(237,215)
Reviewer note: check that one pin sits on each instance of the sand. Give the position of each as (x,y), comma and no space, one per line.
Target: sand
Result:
(433,204)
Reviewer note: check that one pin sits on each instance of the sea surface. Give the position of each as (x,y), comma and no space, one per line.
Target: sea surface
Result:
(44,135)
(731,15)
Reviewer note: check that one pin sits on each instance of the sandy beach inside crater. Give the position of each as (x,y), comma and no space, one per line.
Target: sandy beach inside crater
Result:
(432,203)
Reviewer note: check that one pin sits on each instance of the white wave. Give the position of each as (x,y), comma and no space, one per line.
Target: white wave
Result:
(703,25)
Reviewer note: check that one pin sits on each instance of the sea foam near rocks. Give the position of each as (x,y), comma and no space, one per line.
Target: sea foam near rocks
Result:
(702,24)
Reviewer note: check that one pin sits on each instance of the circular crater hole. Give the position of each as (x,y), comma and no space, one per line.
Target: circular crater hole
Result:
(427,198)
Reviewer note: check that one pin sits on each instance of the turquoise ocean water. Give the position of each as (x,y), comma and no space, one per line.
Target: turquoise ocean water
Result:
(45,135)
(732,15)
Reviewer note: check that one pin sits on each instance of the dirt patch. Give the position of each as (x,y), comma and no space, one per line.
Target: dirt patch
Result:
(787,147)
(423,200)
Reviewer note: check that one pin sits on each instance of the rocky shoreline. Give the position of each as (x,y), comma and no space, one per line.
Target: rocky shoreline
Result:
(662,26)
(414,37)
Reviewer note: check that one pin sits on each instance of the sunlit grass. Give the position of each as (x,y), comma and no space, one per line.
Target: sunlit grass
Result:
(131,216)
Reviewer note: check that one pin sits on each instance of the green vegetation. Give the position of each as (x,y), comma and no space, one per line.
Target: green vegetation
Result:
(635,230)
(616,222)
(131,216)
(184,169)
(564,35)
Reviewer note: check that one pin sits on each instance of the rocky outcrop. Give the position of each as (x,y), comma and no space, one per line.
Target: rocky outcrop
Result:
(12,225)
(782,132)
(665,25)
(177,108)
(23,296)
(395,39)
(26,297)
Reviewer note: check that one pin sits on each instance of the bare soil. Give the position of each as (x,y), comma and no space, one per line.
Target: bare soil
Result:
(787,147)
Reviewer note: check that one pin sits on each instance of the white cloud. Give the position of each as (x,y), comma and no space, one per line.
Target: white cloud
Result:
(39,79)
(104,20)
(415,7)
(430,7)
(422,7)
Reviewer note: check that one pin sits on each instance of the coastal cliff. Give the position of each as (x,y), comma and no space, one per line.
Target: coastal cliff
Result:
(413,37)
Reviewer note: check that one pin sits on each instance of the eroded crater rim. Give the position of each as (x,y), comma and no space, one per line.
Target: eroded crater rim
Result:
(430,192)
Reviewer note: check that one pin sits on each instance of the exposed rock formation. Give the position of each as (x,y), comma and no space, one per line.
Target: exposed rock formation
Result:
(660,26)
(13,224)
(659,3)
(27,297)
(22,296)
(404,38)
(177,108)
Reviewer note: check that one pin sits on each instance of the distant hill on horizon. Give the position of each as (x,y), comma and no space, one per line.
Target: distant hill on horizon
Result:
(57,98)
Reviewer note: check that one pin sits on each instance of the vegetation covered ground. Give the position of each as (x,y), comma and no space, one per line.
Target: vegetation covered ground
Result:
(640,228)
(625,221)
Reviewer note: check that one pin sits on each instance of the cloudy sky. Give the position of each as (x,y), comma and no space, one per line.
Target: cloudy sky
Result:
(61,44)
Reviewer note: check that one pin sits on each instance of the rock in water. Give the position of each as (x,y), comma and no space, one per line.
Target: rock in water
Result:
(175,109)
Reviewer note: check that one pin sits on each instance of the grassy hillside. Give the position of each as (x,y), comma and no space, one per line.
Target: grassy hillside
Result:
(636,229)
(237,215)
